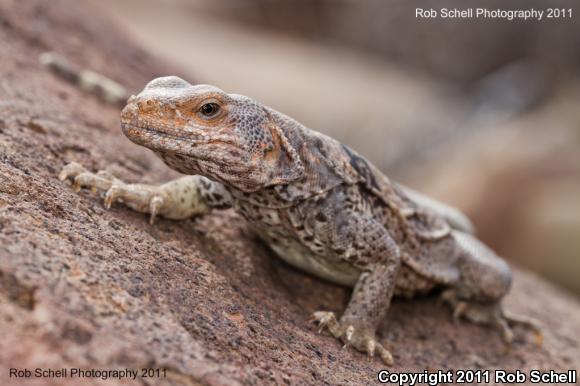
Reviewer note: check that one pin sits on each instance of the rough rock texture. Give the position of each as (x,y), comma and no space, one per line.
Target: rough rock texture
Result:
(84,287)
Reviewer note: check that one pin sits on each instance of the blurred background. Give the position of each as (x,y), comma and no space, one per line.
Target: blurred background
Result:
(482,114)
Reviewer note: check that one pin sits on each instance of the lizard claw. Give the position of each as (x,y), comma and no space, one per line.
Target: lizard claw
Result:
(505,330)
(111,195)
(155,205)
(348,333)
(324,319)
(371,345)
(362,339)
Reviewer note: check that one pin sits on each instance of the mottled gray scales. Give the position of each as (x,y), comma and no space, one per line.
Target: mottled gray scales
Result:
(318,204)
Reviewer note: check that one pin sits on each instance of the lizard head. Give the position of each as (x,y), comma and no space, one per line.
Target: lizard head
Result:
(200,129)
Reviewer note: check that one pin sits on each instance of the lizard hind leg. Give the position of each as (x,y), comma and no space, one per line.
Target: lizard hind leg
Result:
(491,314)
(485,280)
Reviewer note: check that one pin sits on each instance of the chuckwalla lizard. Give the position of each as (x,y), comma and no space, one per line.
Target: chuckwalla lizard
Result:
(317,203)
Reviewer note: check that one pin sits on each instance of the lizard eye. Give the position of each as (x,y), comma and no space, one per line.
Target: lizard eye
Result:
(209,110)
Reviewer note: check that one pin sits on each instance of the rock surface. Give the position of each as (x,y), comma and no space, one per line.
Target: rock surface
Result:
(84,287)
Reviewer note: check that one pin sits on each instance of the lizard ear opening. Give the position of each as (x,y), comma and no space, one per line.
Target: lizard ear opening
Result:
(287,166)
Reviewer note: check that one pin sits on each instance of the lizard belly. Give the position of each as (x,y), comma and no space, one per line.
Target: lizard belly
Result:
(408,282)
(296,254)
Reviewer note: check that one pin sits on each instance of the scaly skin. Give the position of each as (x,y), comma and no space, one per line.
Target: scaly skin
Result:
(317,203)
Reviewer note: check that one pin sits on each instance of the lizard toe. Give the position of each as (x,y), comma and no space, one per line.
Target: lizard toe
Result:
(70,170)
(81,180)
(385,355)
(352,335)
(491,314)
(364,340)
(107,175)
(324,319)
(112,195)
(155,205)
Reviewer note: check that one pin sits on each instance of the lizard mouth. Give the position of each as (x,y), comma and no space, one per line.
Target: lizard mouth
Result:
(151,136)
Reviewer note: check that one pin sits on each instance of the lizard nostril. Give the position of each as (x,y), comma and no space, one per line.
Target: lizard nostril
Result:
(146,104)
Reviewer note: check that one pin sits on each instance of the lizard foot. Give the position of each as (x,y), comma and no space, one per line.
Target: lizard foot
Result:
(491,314)
(361,338)
(143,198)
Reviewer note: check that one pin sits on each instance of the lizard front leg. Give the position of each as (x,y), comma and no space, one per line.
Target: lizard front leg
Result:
(368,246)
(178,199)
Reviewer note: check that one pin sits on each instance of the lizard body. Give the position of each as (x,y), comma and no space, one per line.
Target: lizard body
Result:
(317,203)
